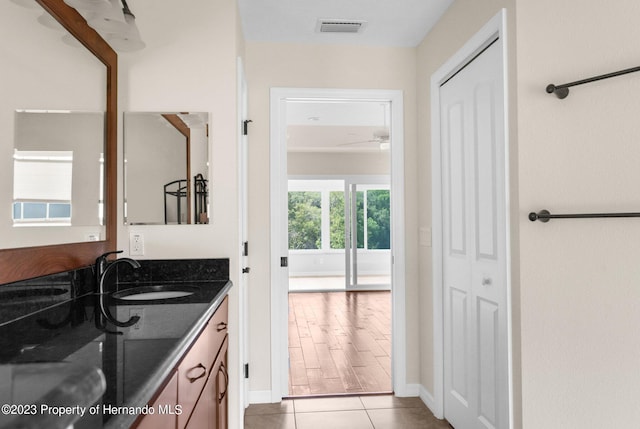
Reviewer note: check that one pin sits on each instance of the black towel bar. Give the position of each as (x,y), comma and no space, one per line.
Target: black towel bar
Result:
(545,216)
(561,91)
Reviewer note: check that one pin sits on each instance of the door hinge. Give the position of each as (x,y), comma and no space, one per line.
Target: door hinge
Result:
(245,248)
(284,261)
(245,127)
(246,370)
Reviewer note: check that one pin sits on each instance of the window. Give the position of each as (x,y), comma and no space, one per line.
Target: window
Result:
(317,217)
(378,219)
(336,219)
(304,220)
(42,187)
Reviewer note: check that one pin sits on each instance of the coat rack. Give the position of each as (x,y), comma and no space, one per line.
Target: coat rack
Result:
(545,216)
(561,91)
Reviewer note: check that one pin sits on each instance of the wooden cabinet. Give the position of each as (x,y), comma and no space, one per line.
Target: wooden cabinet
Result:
(221,375)
(165,416)
(200,383)
(211,409)
(193,372)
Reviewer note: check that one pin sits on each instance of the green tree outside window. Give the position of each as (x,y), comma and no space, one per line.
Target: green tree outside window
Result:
(305,220)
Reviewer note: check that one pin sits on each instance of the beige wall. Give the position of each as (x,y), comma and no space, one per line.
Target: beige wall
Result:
(575,291)
(190,64)
(302,163)
(318,66)
(461,21)
(579,278)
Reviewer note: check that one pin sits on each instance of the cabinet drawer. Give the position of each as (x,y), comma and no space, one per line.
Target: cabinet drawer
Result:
(218,327)
(192,375)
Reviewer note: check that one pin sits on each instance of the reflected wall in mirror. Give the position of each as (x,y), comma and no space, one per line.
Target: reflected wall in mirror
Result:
(58,178)
(166,168)
(50,175)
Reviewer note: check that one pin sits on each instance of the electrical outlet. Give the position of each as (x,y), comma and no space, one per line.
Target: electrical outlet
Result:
(136,244)
(92,236)
(137,312)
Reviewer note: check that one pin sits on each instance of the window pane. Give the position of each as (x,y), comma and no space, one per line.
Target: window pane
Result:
(336,219)
(378,219)
(360,218)
(59,210)
(17,211)
(35,210)
(304,220)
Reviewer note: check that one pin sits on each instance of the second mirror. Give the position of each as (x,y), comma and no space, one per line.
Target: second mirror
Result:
(166,167)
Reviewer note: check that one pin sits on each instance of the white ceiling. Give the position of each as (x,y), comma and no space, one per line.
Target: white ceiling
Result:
(335,126)
(389,22)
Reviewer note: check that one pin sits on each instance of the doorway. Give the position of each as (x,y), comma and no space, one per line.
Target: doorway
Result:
(281,100)
(339,231)
(471,247)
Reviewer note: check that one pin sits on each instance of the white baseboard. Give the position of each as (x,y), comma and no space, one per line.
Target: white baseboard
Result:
(408,390)
(430,402)
(260,396)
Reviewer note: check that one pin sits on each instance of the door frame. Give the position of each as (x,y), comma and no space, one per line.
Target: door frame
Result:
(495,27)
(243,229)
(279,242)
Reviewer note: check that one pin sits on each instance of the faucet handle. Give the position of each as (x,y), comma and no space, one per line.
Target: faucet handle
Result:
(101,262)
(103,257)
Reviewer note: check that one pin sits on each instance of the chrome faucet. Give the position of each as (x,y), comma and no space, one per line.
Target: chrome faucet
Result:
(103,267)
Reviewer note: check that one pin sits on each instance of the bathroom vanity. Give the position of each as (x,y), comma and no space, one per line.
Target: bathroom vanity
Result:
(168,369)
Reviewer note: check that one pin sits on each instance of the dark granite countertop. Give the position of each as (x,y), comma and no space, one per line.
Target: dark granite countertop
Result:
(134,360)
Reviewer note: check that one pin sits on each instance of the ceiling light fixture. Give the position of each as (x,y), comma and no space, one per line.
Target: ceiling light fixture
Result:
(128,40)
(110,21)
(113,20)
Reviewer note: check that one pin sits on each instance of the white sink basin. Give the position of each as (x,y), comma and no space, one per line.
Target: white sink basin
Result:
(150,293)
(146,296)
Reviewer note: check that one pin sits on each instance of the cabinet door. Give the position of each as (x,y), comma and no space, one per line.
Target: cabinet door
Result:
(222,388)
(165,408)
(192,376)
(203,416)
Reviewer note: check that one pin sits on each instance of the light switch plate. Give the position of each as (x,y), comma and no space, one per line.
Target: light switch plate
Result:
(424,236)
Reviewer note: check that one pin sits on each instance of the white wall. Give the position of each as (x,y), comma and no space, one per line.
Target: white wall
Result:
(189,64)
(305,66)
(155,155)
(579,278)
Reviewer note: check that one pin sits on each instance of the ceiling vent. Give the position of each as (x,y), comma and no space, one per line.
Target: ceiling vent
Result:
(340,26)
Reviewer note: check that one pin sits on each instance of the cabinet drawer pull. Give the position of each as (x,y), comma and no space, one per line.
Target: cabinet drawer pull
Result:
(223,370)
(222,326)
(199,376)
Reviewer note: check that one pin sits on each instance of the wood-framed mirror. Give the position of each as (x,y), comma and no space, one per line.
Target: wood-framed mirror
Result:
(30,262)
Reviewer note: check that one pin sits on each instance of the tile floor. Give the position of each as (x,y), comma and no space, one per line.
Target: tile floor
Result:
(347,412)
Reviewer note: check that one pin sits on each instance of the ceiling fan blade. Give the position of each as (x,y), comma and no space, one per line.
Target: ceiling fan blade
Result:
(357,142)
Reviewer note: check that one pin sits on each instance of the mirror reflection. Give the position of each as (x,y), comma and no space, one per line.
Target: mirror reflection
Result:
(166,168)
(52,132)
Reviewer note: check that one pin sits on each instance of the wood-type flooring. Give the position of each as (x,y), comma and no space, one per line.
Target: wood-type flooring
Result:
(339,343)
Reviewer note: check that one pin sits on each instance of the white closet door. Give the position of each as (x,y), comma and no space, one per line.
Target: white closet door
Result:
(474,244)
